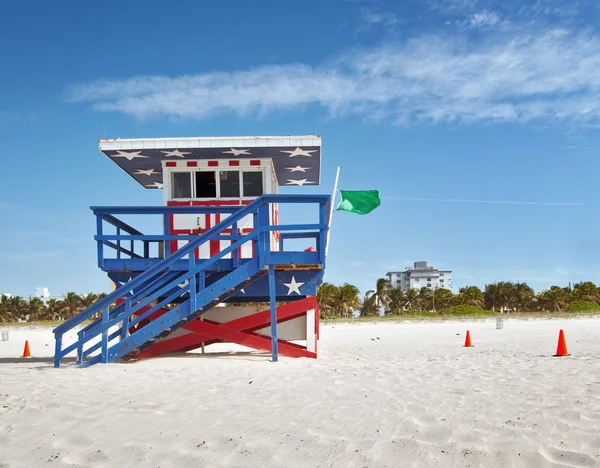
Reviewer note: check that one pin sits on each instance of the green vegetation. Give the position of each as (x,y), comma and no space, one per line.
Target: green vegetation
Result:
(583,306)
(15,309)
(341,302)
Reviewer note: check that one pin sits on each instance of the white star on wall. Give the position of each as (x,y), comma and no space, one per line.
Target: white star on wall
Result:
(237,152)
(299,182)
(299,152)
(293,286)
(129,155)
(147,172)
(175,153)
(298,168)
(155,185)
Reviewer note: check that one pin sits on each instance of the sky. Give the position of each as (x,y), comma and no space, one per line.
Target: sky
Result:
(477,120)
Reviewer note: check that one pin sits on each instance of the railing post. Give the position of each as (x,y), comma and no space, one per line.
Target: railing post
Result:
(100,245)
(273,303)
(322,239)
(235,254)
(193,290)
(126,315)
(80,336)
(166,246)
(118,242)
(104,351)
(146,249)
(57,350)
(264,237)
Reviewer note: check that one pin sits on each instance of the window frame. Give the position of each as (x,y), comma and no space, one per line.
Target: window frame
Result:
(192,170)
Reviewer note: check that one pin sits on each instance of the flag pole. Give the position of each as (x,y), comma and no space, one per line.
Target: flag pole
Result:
(335,186)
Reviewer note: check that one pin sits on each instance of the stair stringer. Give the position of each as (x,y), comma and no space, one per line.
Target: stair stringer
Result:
(181,313)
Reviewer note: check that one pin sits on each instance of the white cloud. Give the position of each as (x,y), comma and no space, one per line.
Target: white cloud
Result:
(542,76)
(487,19)
(371,17)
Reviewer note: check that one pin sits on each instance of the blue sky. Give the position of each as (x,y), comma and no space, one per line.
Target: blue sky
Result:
(477,120)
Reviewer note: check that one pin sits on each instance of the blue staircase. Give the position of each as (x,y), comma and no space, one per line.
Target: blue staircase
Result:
(184,285)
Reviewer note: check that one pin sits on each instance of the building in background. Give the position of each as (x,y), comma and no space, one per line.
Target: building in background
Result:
(421,276)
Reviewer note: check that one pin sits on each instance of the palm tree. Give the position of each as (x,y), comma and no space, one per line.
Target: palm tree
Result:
(470,295)
(54,309)
(368,307)
(443,298)
(6,314)
(524,297)
(412,298)
(382,287)
(425,299)
(553,299)
(71,305)
(36,310)
(346,300)
(585,291)
(492,296)
(87,300)
(396,301)
(325,297)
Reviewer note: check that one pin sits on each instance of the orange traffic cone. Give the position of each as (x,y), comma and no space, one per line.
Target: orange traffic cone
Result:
(468,343)
(26,352)
(561,349)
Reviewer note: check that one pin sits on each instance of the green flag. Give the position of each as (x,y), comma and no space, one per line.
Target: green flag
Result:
(359,201)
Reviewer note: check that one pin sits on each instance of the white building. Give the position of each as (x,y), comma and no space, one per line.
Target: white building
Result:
(421,276)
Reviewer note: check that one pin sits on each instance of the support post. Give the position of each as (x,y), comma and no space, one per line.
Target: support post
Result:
(273,301)
(57,350)
(81,336)
(104,356)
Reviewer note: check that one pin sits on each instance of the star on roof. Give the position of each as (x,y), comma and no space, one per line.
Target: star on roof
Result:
(299,152)
(175,153)
(147,172)
(298,168)
(237,152)
(129,155)
(299,182)
(293,286)
(155,185)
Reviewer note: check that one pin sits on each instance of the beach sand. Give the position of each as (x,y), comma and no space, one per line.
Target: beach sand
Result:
(379,395)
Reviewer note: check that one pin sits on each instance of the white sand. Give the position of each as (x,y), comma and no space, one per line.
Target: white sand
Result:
(413,397)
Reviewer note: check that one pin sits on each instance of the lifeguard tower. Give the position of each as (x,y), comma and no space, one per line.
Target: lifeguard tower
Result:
(217,243)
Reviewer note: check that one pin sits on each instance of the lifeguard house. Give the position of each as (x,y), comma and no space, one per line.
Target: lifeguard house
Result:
(217,244)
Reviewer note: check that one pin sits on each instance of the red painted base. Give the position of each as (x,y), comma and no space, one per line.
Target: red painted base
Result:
(240,331)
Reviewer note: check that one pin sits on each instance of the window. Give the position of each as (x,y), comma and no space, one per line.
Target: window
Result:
(253,184)
(428,279)
(230,184)
(182,185)
(428,285)
(441,274)
(206,184)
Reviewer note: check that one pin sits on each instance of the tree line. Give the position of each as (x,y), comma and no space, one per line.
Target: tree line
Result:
(505,296)
(14,309)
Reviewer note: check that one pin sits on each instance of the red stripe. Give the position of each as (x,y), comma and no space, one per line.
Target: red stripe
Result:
(171,163)
(213,163)
(234,163)
(192,163)
(215,246)
(255,162)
